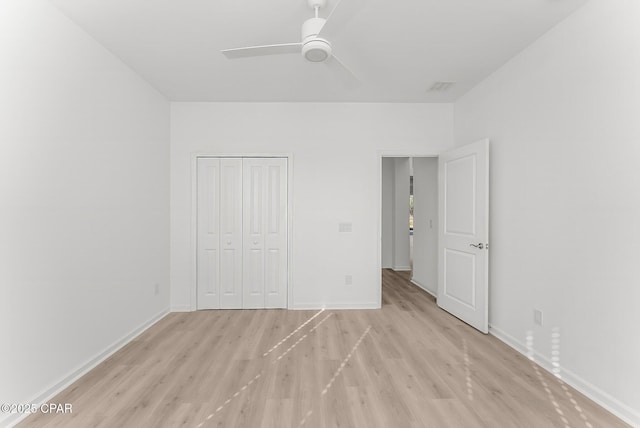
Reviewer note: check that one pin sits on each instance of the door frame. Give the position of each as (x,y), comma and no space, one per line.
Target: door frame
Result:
(389,154)
(193,296)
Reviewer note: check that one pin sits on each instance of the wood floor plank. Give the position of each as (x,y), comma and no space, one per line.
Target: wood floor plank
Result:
(409,364)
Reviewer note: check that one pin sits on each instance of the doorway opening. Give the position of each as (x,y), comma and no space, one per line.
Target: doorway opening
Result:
(409,215)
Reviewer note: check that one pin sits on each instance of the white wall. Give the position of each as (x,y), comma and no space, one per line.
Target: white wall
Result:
(84,200)
(565,204)
(387,208)
(401,254)
(425,223)
(336,178)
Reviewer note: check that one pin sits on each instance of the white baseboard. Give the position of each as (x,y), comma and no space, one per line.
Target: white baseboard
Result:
(334,306)
(402,268)
(594,393)
(422,287)
(304,306)
(50,392)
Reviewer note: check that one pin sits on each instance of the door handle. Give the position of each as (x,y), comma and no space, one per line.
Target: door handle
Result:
(479,246)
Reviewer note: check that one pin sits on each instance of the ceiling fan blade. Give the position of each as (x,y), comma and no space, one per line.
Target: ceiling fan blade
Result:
(340,16)
(286,48)
(343,72)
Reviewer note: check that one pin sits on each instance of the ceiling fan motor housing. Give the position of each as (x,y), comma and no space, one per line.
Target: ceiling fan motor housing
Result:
(314,48)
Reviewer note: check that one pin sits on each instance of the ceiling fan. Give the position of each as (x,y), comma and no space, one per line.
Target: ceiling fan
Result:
(315,46)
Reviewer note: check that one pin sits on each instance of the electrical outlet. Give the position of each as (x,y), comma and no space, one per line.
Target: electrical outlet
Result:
(156,288)
(348,280)
(537,316)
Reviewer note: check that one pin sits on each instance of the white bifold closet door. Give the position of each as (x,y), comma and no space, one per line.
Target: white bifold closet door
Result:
(219,261)
(265,232)
(242,233)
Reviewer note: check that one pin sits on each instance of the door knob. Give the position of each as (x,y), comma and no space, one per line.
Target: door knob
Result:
(228,242)
(255,242)
(479,246)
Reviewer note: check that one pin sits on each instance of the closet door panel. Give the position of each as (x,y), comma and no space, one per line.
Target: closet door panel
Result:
(276,234)
(231,233)
(208,234)
(254,203)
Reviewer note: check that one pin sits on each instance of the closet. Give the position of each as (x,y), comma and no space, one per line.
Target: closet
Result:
(241,234)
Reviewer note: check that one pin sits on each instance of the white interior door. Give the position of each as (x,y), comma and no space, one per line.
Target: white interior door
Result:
(265,233)
(463,259)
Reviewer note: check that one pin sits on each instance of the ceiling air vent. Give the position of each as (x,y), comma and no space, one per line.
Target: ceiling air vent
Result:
(441,86)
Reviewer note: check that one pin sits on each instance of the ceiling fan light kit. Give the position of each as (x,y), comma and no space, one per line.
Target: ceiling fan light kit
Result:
(316,50)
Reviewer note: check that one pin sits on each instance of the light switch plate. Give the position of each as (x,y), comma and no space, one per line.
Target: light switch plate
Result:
(345,227)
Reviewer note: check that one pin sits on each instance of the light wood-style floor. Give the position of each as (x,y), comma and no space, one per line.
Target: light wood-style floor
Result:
(409,364)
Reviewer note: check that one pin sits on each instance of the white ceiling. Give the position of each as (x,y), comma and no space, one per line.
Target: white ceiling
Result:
(398,48)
